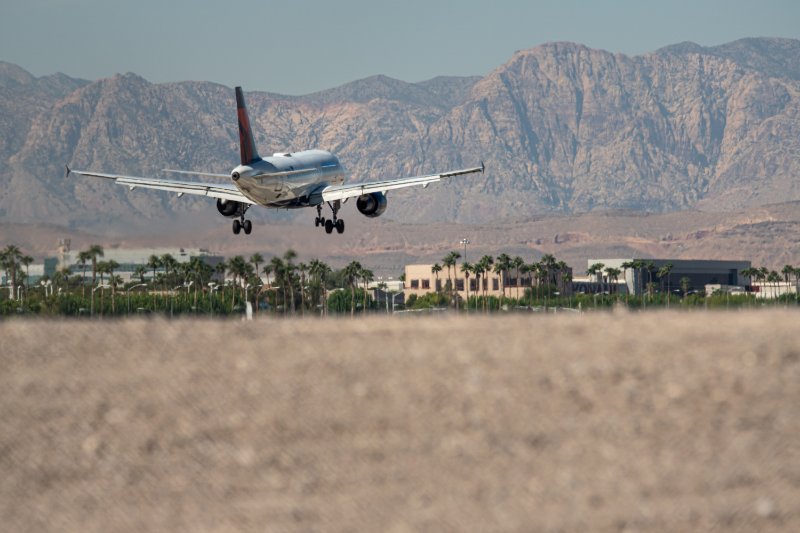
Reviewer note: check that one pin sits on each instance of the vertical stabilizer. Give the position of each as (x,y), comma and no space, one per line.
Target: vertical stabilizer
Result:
(247,144)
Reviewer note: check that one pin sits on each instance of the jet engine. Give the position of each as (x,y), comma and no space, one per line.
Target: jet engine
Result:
(230,208)
(371,205)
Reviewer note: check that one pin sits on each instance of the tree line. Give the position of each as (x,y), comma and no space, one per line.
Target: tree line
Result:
(280,286)
(544,283)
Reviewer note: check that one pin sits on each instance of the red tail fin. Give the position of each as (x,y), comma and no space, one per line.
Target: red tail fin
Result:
(247,144)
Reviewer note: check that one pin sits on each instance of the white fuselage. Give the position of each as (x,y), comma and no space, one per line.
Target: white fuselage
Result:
(289,180)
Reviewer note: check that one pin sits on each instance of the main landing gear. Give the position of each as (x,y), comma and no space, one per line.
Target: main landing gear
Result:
(245,225)
(329,224)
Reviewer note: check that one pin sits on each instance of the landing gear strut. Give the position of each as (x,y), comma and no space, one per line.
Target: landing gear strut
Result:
(329,224)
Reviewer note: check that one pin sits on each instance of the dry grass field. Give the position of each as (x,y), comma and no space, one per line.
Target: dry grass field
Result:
(614,422)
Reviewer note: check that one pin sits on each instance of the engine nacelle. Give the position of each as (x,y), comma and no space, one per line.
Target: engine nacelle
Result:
(371,205)
(230,208)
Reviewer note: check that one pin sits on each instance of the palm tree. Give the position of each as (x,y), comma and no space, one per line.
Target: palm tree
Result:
(110,267)
(351,274)
(11,257)
(62,277)
(518,263)
(94,251)
(562,267)
(750,273)
(198,271)
(319,272)
(256,259)
(663,273)
(478,269)
(102,268)
(83,258)
(139,271)
(466,269)
(535,270)
(169,263)
(613,276)
(684,281)
(774,278)
(367,276)
(237,268)
(548,262)
(278,269)
(596,271)
(501,266)
(626,265)
(787,271)
(435,269)
(289,273)
(26,261)
(302,268)
(154,262)
(651,269)
(450,262)
(486,263)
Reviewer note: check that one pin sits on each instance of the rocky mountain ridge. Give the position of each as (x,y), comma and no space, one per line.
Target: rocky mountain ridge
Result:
(561,127)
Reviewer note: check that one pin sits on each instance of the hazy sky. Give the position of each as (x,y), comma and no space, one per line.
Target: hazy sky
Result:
(307,45)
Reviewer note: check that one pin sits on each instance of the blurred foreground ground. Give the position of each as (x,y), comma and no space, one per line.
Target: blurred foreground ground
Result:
(640,422)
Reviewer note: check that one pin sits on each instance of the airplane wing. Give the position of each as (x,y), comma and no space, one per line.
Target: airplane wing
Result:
(342,192)
(225,191)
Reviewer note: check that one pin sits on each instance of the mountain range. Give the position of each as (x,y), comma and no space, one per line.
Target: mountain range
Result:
(562,128)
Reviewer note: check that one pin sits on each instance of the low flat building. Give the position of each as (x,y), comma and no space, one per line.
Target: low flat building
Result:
(420,280)
(699,272)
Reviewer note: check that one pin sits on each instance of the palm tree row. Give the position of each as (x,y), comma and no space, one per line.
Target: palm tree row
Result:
(546,274)
(289,287)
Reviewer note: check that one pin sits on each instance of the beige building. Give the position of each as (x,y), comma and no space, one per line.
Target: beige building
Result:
(420,280)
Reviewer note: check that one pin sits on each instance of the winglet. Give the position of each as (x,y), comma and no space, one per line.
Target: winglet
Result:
(247,144)
(68,171)
(483,167)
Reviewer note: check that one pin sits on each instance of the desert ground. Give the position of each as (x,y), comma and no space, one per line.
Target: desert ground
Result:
(607,422)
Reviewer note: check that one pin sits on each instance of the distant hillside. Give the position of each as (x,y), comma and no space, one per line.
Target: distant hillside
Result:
(561,128)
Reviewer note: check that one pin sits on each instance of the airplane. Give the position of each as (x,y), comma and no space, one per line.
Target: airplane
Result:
(309,178)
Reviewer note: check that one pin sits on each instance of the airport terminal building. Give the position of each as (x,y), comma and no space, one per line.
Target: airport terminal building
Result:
(700,272)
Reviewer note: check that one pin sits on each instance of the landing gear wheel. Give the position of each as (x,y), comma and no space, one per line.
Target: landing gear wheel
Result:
(248,227)
(328,226)
(317,221)
(237,227)
(340,226)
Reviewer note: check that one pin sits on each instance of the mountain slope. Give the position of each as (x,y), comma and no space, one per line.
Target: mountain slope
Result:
(561,128)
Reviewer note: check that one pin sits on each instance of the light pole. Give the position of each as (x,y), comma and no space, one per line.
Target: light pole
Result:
(172,300)
(246,301)
(465,242)
(93,291)
(211,288)
(47,285)
(128,293)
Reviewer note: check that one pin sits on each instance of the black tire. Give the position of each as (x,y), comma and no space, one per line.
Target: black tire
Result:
(340,226)
(316,221)
(237,227)
(248,227)
(328,226)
